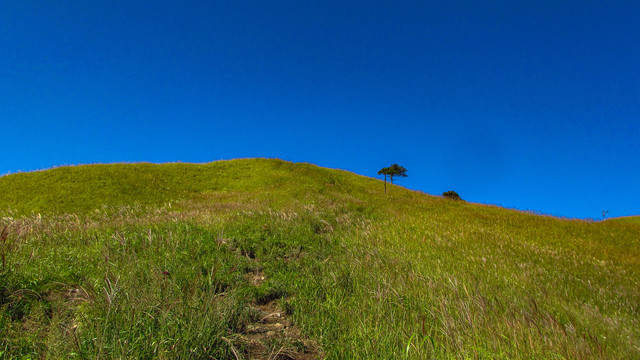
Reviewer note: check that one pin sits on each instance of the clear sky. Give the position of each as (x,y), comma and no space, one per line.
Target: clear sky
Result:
(533,105)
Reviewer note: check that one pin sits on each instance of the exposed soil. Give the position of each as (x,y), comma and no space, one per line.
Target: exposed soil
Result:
(274,336)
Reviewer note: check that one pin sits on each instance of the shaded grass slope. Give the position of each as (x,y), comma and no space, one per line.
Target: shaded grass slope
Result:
(176,260)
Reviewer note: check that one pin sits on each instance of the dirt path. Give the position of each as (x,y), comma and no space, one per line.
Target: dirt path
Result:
(274,336)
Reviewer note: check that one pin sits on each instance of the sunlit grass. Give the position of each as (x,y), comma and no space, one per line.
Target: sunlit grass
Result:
(634,220)
(154,261)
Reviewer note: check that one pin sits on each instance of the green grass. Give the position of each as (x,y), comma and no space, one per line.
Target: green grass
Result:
(635,220)
(80,189)
(155,261)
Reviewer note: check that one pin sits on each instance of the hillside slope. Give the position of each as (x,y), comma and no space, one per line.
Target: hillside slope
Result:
(261,258)
(79,189)
(626,220)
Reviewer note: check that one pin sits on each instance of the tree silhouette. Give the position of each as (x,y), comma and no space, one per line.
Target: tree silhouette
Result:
(391,171)
(396,170)
(385,172)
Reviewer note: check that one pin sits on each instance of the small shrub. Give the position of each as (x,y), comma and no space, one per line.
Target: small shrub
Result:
(451,195)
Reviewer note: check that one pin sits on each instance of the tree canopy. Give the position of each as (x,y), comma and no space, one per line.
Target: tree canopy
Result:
(391,171)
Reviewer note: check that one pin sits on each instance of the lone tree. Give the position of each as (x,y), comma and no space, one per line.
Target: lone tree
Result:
(391,171)
(385,172)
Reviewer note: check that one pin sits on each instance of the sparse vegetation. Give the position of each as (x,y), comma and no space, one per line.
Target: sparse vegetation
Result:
(269,259)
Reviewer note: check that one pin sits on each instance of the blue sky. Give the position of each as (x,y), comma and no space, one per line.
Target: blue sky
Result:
(533,105)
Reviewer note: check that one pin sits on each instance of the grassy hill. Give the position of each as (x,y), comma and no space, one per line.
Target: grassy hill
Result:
(268,259)
(80,189)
